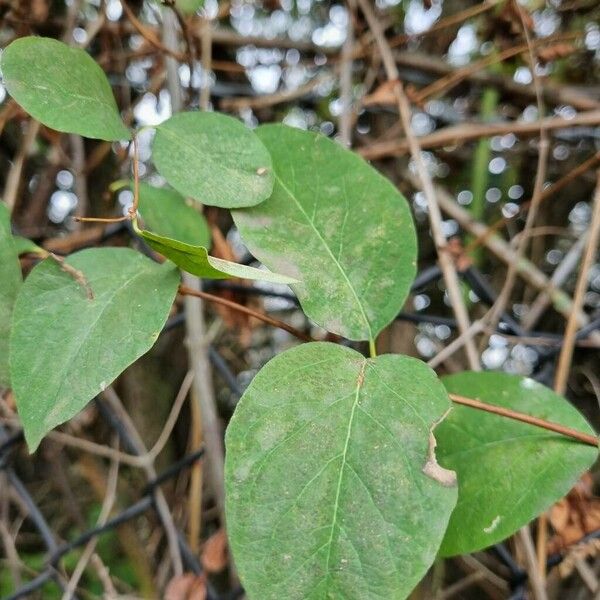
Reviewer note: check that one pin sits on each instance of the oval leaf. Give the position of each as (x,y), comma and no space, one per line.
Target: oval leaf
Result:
(78,327)
(167,214)
(338,226)
(213,158)
(62,87)
(508,472)
(197,261)
(326,491)
(10,282)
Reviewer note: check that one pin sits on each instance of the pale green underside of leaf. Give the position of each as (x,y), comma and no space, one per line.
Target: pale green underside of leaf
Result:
(197,261)
(10,282)
(337,225)
(65,347)
(508,472)
(62,87)
(166,213)
(325,491)
(214,159)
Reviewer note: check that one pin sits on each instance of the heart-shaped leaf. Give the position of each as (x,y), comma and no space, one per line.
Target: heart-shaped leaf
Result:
(78,326)
(167,213)
(214,159)
(332,490)
(62,87)
(197,261)
(338,226)
(508,472)
(10,282)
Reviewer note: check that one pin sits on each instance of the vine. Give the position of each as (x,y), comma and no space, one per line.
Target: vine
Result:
(346,475)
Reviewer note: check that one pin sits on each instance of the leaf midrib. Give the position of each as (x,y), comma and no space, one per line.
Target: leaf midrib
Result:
(326,245)
(336,503)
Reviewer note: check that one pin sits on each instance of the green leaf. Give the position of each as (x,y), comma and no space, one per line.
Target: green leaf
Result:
(508,472)
(338,226)
(197,261)
(62,87)
(76,328)
(10,282)
(189,7)
(213,158)
(167,214)
(327,494)
(26,246)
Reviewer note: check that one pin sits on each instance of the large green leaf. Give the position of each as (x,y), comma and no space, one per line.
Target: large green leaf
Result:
(213,158)
(62,87)
(508,472)
(331,489)
(197,261)
(10,282)
(167,213)
(78,327)
(338,226)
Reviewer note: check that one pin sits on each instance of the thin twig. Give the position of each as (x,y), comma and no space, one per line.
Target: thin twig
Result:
(187,291)
(566,354)
(435,217)
(584,438)
(107,504)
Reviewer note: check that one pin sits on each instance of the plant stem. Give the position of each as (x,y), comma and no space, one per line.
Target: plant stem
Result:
(584,438)
(372,348)
(187,291)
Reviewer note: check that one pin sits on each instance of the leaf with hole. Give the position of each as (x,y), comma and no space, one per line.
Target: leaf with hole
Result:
(508,472)
(197,261)
(332,490)
(62,87)
(338,226)
(96,315)
(167,213)
(213,158)
(10,283)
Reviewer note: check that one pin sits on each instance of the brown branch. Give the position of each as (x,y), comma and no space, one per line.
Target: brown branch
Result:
(187,291)
(459,134)
(566,355)
(584,438)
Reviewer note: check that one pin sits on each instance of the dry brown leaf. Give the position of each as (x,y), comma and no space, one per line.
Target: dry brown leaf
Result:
(574,516)
(215,555)
(384,95)
(186,587)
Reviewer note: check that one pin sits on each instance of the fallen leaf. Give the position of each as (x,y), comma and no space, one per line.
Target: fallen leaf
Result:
(186,587)
(215,555)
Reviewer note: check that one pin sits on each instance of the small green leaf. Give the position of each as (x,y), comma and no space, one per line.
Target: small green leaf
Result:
(62,87)
(213,158)
(167,214)
(10,282)
(338,226)
(189,7)
(78,327)
(197,261)
(508,472)
(25,246)
(327,494)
